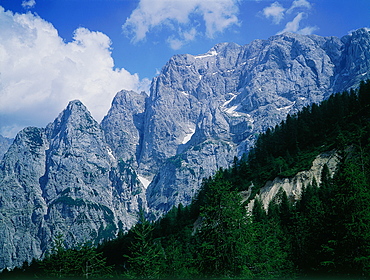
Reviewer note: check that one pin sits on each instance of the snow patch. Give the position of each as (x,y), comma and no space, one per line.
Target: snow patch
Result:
(110,153)
(233,110)
(211,53)
(144,181)
(286,108)
(188,135)
(228,101)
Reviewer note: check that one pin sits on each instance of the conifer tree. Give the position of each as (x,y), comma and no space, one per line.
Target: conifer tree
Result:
(350,246)
(226,236)
(146,259)
(84,262)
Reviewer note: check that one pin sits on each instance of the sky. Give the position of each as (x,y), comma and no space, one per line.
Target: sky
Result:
(55,51)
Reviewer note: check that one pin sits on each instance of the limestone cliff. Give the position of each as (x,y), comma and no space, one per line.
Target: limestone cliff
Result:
(63,180)
(293,186)
(88,180)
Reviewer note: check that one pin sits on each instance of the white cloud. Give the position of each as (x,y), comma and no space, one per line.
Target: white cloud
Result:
(40,73)
(217,15)
(304,4)
(308,30)
(27,4)
(185,37)
(298,8)
(275,11)
(293,26)
(175,43)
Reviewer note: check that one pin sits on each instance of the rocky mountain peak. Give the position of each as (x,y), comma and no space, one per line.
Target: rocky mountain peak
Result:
(4,145)
(123,125)
(219,101)
(75,113)
(87,180)
(63,180)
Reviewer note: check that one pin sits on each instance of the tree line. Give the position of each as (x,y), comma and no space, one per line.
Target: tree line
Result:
(325,233)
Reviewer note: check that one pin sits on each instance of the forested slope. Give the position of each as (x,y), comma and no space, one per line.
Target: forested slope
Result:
(325,233)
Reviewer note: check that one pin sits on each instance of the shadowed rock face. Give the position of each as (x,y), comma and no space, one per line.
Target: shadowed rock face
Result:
(204,110)
(4,145)
(63,180)
(123,125)
(88,180)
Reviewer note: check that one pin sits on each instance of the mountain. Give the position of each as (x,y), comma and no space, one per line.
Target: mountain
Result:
(63,180)
(283,211)
(204,110)
(4,145)
(88,180)
(123,125)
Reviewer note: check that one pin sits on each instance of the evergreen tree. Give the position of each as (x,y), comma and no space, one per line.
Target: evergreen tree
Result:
(226,236)
(350,246)
(310,229)
(59,262)
(258,212)
(84,262)
(180,255)
(270,256)
(146,259)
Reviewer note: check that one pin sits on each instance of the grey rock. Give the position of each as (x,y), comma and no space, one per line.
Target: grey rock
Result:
(232,93)
(5,143)
(88,181)
(64,180)
(294,186)
(123,125)
(22,206)
(187,170)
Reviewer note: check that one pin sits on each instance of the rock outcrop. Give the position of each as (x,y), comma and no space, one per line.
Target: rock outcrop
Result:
(123,125)
(221,100)
(293,186)
(4,145)
(63,180)
(88,180)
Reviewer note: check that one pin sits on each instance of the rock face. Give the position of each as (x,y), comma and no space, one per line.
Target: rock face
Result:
(293,186)
(4,145)
(204,110)
(63,180)
(123,125)
(88,180)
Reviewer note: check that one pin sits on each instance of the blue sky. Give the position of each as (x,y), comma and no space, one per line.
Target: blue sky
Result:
(53,51)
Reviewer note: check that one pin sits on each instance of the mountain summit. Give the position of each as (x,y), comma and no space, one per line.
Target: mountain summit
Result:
(63,180)
(203,110)
(88,180)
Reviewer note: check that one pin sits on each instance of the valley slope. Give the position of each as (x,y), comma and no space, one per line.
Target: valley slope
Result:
(88,180)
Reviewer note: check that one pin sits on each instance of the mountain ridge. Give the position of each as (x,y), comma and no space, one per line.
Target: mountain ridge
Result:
(229,98)
(202,111)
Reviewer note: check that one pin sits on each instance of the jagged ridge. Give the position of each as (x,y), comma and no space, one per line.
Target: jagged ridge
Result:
(86,180)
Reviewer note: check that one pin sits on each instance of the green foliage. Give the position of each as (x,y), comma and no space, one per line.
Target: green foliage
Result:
(67,200)
(146,258)
(225,236)
(325,233)
(291,146)
(349,245)
(83,262)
